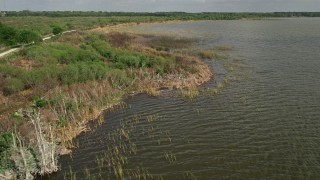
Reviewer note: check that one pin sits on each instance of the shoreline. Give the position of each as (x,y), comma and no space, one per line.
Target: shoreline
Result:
(150,86)
(206,75)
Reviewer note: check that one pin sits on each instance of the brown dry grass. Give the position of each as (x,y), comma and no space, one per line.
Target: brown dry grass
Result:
(73,38)
(119,39)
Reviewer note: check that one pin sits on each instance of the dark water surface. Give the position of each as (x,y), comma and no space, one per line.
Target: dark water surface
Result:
(264,125)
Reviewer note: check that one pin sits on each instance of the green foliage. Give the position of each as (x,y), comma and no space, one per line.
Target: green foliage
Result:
(121,58)
(57,30)
(56,99)
(132,60)
(118,78)
(69,75)
(10,36)
(26,37)
(60,53)
(6,140)
(62,121)
(64,64)
(39,102)
(40,77)
(13,85)
(82,72)
(163,65)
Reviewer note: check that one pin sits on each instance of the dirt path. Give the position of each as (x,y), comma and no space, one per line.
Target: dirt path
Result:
(9,52)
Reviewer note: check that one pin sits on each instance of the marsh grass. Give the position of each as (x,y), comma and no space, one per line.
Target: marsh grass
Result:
(113,162)
(153,91)
(189,94)
(71,175)
(167,43)
(224,48)
(170,157)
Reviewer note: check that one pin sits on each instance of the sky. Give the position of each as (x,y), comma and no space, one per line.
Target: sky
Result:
(162,5)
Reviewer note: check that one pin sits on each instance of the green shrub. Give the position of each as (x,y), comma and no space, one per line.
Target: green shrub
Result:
(163,65)
(129,60)
(13,85)
(100,70)
(57,30)
(8,35)
(87,55)
(83,71)
(26,36)
(118,78)
(103,48)
(145,62)
(60,53)
(6,140)
(69,75)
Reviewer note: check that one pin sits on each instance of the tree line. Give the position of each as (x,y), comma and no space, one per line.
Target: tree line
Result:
(177,15)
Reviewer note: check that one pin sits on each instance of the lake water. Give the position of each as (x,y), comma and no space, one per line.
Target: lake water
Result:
(265,124)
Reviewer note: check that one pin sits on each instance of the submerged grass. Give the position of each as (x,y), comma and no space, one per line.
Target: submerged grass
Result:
(113,162)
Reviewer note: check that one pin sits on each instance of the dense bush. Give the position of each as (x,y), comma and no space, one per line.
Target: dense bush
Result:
(10,36)
(121,58)
(60,53)
(57,30)
(44,76)
(82,72)
(26,37)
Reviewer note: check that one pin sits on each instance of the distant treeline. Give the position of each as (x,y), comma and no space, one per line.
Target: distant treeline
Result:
(167,15)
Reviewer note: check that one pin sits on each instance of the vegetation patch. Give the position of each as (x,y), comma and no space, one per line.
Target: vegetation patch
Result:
(77,78)
(189,94)
(167,43)
(10,36)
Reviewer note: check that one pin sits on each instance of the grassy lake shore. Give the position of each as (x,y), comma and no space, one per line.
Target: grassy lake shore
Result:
(77,76)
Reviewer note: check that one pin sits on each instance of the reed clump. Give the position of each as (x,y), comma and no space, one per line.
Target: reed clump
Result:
(189,94)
